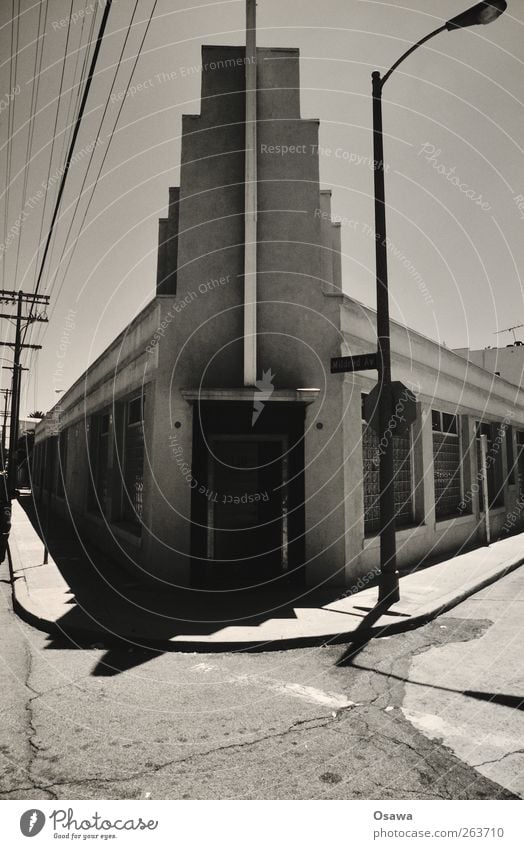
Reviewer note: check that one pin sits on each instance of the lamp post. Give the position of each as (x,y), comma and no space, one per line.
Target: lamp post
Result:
(481,13)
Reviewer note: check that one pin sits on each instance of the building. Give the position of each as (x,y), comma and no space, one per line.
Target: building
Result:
(507,362)
(210,445)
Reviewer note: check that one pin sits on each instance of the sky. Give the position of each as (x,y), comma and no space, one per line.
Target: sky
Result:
(453,123)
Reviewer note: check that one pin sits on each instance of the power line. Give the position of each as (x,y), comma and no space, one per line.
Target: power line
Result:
(74,137)
(91,156)
(10,123)
(30,131)
(80,86)
(95,182)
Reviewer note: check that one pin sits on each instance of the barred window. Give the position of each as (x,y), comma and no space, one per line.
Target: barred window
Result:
(100,477)
(62,463)
(403,483)
(520,462)
(134,461)
(447,464)
(510,455)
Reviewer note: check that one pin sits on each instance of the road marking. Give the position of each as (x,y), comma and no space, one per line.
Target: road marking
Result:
(284,688)
(311,694)
(203,667)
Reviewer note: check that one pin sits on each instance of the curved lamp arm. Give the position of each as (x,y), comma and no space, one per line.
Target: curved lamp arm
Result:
(412,50)
(481,13)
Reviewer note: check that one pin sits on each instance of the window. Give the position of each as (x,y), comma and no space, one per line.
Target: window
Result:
(520,462)
(447,464)
(62,463)
(403,483)
(495,436)
(510,455)
(99,458)
(133,465)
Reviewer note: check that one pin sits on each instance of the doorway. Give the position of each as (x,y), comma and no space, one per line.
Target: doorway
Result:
(248,510)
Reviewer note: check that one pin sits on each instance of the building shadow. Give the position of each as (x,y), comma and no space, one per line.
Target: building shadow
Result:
(112,609)
(504,699)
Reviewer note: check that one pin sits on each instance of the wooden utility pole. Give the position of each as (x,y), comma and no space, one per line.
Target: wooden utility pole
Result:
(21,299)
(6,393)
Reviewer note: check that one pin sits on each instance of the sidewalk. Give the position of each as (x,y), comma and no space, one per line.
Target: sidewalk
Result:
(78,598)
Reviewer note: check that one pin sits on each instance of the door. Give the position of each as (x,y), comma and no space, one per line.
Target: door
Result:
(247,509)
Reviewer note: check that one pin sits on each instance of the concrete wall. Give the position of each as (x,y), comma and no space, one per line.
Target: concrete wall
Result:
(441,380)
(508,361)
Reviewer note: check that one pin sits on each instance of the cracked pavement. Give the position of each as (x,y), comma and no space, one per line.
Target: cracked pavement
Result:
(96,722)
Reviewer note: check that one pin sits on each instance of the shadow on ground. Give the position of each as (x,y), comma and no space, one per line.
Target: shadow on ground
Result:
(111,607)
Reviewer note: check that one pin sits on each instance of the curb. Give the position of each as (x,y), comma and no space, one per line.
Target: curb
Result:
(197,646)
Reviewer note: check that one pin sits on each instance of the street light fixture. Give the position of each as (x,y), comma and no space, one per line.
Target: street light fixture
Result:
(481,13)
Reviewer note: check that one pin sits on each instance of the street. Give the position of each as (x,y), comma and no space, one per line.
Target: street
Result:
(404,717)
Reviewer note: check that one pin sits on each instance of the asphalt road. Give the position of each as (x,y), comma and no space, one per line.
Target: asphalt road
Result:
(387,720)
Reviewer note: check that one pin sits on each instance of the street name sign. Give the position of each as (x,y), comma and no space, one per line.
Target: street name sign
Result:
(360,362)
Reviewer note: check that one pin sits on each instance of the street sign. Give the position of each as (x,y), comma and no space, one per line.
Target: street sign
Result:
(403,408)
(360,362)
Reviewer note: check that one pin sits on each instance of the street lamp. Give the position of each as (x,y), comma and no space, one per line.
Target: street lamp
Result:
(481,13)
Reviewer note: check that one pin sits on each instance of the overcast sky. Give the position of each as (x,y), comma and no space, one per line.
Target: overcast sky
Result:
(457,243)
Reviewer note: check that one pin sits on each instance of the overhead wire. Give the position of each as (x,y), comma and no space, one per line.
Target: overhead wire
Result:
(106,152)
(91,156)
(78,122)
(10,125)
(67,135)
(30,131)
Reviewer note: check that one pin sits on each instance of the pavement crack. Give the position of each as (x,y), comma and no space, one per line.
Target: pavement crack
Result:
(501,758)
(33,748)
(312,723)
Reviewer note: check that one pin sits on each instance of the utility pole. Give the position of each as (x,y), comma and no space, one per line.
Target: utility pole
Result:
(22,321)
(6,393)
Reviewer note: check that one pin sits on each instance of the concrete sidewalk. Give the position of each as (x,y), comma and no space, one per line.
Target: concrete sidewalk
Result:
(102,606)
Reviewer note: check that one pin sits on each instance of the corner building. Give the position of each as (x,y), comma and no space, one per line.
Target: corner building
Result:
(165,456)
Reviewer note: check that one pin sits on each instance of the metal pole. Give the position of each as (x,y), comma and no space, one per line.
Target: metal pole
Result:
(389,578)
(485,493)
(250,200)
(48,502)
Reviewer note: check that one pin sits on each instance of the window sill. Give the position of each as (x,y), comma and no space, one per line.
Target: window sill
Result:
(406,531)
(450,521)
(119,529)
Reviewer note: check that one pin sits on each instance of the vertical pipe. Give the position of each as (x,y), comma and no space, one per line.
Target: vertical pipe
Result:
(485,493)
(250,208)
(389,583)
